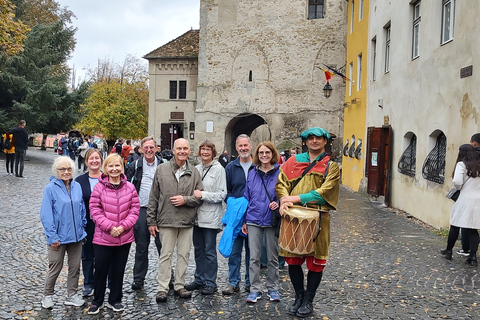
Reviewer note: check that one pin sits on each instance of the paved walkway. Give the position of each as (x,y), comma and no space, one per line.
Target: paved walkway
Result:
(382,266)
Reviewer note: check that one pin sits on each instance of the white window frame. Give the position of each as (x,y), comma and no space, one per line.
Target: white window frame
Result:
(359,72)
(448,20)
(374,58)
(350,85)
(352,16)
(388,31)
(416,30)
(360,10)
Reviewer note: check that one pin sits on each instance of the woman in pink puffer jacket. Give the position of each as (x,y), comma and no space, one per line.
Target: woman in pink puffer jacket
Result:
(114,207)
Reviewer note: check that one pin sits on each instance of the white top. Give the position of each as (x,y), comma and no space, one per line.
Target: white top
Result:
(148,172)
(466,211)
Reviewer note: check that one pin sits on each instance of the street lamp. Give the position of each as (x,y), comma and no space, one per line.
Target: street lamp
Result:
(327,90)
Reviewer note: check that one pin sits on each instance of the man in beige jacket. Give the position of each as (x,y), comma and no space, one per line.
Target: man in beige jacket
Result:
(171,212)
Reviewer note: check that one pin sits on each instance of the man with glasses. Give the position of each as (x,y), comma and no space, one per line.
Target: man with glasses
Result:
(141,172)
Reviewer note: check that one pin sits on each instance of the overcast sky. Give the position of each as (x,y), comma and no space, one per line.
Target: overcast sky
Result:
(114,28)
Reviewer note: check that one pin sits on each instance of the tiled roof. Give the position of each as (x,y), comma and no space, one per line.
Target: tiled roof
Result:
(185,46)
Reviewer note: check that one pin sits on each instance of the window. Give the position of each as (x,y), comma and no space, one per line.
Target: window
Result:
(407,162)
(359,72)
(448,14)
(374,58)
(315,9)
(350,70)
(352,15)
(360,10)
(416,29)
(434,165)
(387,48)
(178,88)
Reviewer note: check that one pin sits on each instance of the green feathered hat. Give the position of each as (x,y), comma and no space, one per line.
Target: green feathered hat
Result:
(315,131)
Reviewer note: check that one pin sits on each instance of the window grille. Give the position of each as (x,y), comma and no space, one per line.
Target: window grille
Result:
(315,9)
(434,166)
(407,163)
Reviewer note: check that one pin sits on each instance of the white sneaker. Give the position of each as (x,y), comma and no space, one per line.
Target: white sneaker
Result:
(47,302)
(74,300)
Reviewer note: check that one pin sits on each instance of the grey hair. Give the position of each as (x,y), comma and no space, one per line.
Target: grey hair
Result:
(59,161)
(147,139)
(243,135)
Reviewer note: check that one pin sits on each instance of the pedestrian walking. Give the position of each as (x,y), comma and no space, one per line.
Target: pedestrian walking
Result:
(63,216)
(171,212)
(262,201)
(209,220)
(465,213)
(9,148)
(82,151)
(20,134)
(87,181)
(310,179)
(114,208)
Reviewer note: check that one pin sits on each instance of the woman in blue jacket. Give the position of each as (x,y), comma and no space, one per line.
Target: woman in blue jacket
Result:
(64,220)
(260,193)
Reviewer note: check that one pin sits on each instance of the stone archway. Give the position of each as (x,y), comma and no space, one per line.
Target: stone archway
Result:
(244,123)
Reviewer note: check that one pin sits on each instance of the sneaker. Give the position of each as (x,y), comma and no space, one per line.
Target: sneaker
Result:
(463,253)
(253,297)
(74,300)
(208,290)
(47,302)
(273,295)
(137,286)
(193,286)
(230,290)
(94,309)
(117,306)
(88,292)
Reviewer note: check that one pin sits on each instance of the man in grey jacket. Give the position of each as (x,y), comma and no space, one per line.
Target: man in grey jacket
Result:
(171,212)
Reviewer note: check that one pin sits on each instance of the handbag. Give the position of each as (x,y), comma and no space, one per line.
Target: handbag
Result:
(453,194)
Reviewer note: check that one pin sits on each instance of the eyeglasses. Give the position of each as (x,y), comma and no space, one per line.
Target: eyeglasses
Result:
(69,169)
(264,152)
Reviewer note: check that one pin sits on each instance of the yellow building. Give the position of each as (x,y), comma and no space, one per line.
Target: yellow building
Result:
(354,131)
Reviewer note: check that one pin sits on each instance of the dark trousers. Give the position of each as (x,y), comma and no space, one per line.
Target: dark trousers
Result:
(142,241)
(470,235)
(80,162)
(205,243)
(19,160)
(88,256)
(109,259)
(10,160)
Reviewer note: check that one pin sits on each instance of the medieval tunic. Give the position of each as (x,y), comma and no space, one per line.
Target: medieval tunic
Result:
(312,188)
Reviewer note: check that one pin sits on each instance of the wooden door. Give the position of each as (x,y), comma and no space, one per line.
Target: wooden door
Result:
(378,160)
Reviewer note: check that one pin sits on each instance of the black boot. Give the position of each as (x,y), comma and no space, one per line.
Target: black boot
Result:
(472,261)
(307,305)
(292,310)
(447,253)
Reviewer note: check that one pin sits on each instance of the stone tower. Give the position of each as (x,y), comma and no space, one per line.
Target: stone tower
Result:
(257,70)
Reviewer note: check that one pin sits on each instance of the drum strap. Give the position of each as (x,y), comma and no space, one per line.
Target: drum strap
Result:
(307,169)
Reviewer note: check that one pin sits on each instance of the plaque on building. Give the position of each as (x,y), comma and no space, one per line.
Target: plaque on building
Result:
(176,115)
(466,72)
(209,126)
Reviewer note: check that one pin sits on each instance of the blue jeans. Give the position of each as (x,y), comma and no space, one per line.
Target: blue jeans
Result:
(205,243)
(235,262)
(88,256)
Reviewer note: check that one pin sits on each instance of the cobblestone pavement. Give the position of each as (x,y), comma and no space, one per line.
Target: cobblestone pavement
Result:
(382,266)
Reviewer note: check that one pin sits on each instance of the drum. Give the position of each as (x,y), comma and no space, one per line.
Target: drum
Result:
(299,228)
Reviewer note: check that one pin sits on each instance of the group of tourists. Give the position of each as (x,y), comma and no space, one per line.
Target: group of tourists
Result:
(180,205)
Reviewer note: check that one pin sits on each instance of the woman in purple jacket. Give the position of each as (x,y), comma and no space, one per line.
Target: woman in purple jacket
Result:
(114,208)
(260,193)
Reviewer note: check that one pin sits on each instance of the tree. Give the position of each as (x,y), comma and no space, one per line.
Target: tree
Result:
(12,31)
(116,110)
(33,84)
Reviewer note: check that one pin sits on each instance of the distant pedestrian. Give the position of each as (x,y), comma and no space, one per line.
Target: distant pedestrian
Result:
(64,144)
(82,150)
(20,134)
(465,212)
(167,154)
(9,152)
(223,159)
(55,145)
(114,209)
(63,216)
(125,153)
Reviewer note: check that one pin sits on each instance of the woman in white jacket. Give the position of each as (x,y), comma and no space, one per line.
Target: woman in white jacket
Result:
(466,210)
(209,220)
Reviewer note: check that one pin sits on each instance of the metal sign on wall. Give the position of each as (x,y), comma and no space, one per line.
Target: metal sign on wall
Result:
(466,72)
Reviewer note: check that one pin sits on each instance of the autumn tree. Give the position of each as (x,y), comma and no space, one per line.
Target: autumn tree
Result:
(12,30)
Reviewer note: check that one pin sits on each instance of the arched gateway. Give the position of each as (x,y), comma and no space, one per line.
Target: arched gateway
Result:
(244,123)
